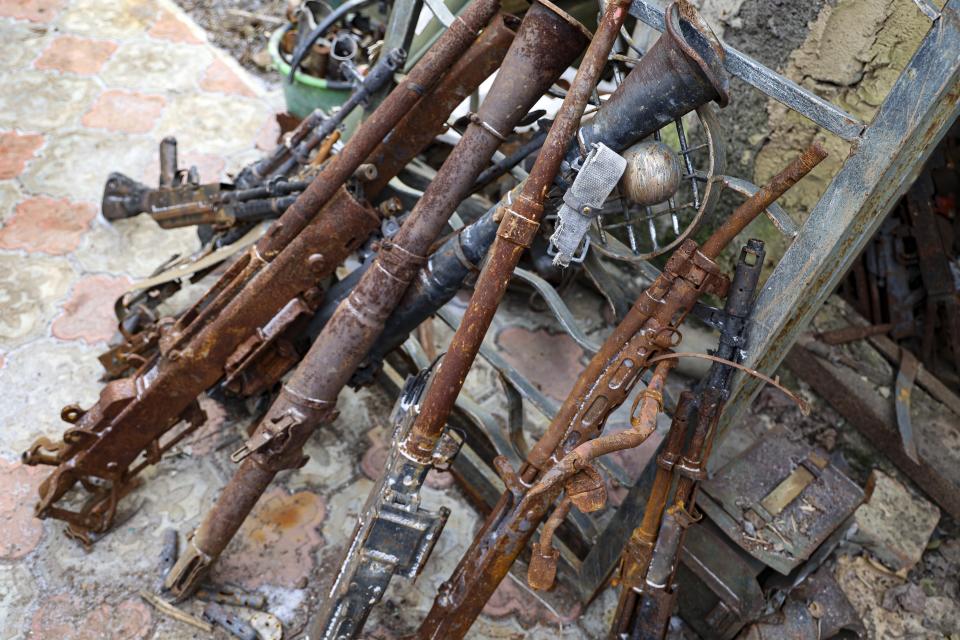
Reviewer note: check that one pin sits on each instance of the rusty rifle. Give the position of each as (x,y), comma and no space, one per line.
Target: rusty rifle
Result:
(648,328)
(301,248)
(546,42)
(650,555)
(259,191)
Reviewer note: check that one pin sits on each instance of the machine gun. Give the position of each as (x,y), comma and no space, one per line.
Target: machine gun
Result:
(129,427)
(651,556)
(649,328)
(546,42)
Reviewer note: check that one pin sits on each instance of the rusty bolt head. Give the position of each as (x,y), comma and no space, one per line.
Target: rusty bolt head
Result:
(543,568)
(587,490)
(391,206)
(316,261)
(366,172)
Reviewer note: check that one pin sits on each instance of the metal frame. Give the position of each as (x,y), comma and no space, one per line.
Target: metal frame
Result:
(888,154)
(771,83)
(885,160)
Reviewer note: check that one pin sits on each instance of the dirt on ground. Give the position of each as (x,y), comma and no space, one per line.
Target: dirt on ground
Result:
(241,27)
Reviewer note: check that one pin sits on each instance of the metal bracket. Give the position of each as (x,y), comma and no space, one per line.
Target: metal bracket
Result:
(774,212)
(274,429)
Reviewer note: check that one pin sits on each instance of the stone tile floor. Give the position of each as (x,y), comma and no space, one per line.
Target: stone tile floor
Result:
(89,87)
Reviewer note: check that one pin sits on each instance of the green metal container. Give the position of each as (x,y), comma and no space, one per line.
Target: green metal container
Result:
(305,93)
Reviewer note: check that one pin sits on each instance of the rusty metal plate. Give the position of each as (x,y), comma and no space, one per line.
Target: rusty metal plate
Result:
(779,500)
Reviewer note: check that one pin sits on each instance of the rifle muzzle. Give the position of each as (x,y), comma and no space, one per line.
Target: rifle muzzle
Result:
(123,197)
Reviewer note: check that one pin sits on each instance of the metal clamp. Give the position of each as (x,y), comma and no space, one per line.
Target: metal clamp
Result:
(517,229)
(272,430)
(475,119)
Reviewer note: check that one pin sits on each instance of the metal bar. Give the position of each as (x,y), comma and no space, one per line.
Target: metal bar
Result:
(400,28)
(874,416)
(440,11)
(774,211)
(771,83)
(916,114)
(928,9)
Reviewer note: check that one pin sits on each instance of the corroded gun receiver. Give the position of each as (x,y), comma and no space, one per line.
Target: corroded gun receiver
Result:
(652,555)
(394,535)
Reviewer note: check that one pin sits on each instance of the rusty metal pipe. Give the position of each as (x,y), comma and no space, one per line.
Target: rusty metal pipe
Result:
(545,44)
(428,118)
(542,570)
(421,79)
(517,230)
(758,202)
(642,425)
(133,413)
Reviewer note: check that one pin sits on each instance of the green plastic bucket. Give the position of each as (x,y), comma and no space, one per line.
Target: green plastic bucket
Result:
(305,93)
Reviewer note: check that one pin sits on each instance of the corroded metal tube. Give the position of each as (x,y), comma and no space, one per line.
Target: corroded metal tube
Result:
(767,195)
(427,120)
(545,44)
(301,248)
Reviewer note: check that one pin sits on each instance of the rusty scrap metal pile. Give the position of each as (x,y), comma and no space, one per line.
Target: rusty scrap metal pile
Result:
(328,253)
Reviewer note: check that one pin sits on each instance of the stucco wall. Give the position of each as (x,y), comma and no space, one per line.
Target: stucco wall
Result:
(847,51)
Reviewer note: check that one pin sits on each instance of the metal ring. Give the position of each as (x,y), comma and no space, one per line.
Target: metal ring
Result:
(646,393)
(475,119)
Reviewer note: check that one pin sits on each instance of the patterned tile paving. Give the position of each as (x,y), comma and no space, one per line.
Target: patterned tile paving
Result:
(90,87)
